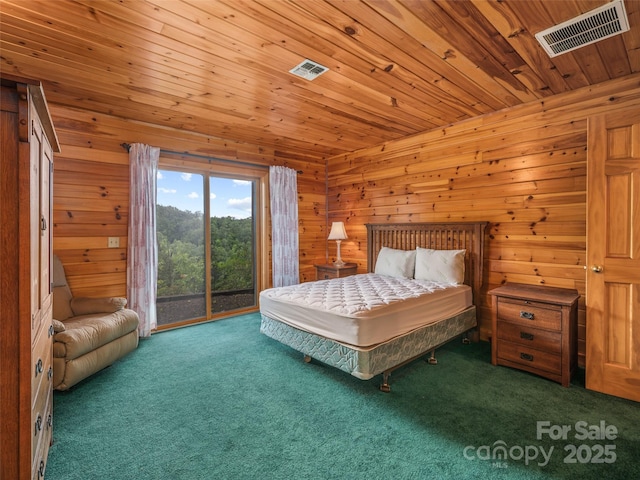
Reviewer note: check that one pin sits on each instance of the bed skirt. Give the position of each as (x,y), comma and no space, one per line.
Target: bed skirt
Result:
(367,363)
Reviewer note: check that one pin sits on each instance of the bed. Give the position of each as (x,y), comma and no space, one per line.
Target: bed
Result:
(375,322)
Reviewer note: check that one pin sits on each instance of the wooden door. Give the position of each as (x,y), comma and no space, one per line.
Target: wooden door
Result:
(613,254)
(40,238)
(45,206)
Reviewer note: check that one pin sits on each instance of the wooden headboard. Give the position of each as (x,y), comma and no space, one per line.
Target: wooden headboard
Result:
(438,236)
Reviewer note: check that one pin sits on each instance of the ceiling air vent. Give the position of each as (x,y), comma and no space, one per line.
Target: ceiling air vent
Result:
(603,22)
(308,69)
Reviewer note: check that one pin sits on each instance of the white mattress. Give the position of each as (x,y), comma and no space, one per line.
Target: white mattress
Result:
(366,309)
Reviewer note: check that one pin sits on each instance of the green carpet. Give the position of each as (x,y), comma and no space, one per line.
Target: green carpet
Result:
(222,401)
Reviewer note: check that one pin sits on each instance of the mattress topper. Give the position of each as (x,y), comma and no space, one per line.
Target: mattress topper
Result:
(356,295)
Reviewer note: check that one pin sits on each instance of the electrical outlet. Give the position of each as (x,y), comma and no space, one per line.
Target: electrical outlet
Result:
(114,242)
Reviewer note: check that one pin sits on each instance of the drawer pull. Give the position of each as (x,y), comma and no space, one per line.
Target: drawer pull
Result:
(41,469)
(38,424)
(526,336)
(39,367)
(527,357)
(527,315)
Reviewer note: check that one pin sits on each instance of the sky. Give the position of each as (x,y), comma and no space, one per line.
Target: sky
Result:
(229,198)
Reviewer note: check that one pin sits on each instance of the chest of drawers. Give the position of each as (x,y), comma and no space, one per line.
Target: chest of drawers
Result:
(28,142)
(535,330)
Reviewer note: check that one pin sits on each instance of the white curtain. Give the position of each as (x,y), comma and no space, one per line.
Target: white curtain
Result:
(142,253)
(283,188)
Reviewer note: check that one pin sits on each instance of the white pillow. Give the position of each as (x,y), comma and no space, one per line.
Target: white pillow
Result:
(440,265)
(396,263)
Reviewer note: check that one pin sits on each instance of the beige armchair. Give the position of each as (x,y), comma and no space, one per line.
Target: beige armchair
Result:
(90,333)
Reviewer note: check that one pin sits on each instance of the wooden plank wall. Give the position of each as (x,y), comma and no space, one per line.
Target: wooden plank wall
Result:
(91,193)
(522,169)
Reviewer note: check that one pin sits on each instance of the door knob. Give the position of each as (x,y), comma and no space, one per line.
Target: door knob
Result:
(596,268)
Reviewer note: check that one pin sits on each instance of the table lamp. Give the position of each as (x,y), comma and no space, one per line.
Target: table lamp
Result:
(338,234)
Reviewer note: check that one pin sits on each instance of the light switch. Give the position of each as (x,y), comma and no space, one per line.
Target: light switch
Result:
(114,242)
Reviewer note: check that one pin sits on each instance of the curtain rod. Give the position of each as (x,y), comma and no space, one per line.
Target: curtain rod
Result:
(127,147)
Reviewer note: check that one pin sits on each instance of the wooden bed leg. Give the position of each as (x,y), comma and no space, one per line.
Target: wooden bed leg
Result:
(307,359)
(432,359)
(384,386)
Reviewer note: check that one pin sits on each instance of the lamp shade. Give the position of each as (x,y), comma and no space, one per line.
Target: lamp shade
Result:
(337,231)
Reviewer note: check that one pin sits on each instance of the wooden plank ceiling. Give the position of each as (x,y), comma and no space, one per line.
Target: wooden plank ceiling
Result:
(221,67)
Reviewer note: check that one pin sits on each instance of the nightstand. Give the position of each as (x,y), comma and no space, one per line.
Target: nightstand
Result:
(535,329)
(324,272)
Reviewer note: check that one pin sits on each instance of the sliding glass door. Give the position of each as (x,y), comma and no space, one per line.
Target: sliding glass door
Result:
(232,241)
(206,230)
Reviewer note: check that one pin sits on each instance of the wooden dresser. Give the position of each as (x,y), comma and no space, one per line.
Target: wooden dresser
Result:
(26,370)
(324,272)
(535,329)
